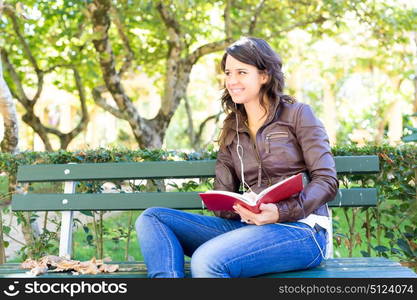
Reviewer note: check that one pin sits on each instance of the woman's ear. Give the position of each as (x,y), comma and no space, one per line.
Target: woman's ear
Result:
(264,77)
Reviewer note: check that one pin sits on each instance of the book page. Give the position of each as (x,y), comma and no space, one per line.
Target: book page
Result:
(251,197)
(261,194)
(235,195)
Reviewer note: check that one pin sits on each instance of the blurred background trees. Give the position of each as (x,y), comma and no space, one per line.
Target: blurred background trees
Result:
(88,74)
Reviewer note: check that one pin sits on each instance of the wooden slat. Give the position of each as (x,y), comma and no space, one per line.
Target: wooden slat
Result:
(353,272)
(357,164)
(349,267)
(101,171)
(161,169)
(137,201)
(352,267)
(355,197)
(117,201)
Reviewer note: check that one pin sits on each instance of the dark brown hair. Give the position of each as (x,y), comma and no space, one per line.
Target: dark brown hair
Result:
(256,52)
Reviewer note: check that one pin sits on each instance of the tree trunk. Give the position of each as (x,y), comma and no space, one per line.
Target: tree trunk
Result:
(10,138)
(148,133)
(395,123)
(330,114)
(414,120)
(379,136)
(8,111)
(2,250)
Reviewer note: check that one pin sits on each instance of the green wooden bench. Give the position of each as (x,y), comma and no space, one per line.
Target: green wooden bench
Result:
(71,201)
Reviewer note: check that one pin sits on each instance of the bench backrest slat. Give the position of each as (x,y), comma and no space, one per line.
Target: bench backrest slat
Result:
(122,170)
(136,201)
(160,169)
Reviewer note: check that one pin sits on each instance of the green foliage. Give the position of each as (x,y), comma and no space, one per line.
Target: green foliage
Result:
(411,135)
(44,244)
(388,230)
(4,182)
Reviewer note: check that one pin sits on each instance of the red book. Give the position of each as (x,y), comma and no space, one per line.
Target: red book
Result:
(224,200)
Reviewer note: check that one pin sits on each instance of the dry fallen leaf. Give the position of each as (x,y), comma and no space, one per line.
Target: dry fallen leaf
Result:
(38,271)
(29,264)
(53,263)
(109,268)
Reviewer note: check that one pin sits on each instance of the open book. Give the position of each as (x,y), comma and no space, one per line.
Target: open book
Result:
(224,200)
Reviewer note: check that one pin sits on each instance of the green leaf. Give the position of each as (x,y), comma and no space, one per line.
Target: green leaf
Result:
(6,229)
(404,246)
(86,212)
(381,248)
(395,251)
(389,234)
(90,239)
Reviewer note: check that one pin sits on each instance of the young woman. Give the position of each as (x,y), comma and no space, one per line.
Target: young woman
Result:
(266,137)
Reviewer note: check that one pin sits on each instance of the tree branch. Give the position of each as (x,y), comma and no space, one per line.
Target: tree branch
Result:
(82,124)
(318,20)
(203,124)
(208,48)
(190,128)
(20,95)
(255,16)
(227,19)
(168,18)
(195,138)
(100,101)
(174,31)
(51,69)
(126,43)
(26,49)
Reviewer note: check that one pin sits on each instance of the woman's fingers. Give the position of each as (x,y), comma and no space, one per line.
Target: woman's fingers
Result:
(246,215)
(268,215)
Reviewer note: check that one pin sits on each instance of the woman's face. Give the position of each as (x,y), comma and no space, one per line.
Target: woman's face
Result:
(243,81)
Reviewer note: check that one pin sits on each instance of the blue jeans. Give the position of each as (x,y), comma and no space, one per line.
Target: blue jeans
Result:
(223,248)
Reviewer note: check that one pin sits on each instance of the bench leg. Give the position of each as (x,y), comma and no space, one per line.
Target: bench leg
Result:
(65,241)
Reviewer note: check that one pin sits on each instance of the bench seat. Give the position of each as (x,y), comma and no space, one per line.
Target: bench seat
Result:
(355,267)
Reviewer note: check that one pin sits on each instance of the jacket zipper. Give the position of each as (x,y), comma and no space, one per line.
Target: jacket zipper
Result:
(259,164)
(272,135)
(258,158)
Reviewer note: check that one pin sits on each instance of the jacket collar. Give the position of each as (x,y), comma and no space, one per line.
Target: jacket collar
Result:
(242,124)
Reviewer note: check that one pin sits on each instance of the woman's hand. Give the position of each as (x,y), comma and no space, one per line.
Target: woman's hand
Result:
(269,214)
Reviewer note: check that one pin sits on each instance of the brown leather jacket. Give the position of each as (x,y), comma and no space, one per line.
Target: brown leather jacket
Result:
(292,140)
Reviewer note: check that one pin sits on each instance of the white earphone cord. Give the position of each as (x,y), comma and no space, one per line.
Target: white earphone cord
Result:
(311,232)
(239,150)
